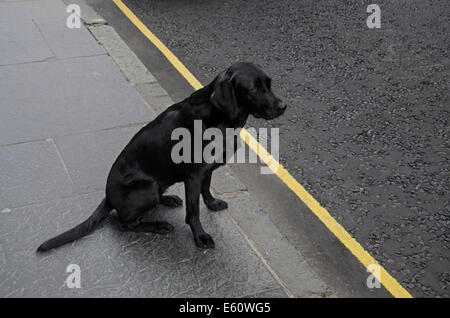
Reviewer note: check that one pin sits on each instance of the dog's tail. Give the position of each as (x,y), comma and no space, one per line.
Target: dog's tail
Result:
(78,231)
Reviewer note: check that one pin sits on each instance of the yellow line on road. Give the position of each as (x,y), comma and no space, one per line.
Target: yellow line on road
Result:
(164,50)
(324,216)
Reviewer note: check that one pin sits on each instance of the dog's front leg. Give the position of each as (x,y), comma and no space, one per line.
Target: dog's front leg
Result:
(211,202)
(193,186)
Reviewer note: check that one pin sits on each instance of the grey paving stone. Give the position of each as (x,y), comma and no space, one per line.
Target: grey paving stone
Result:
(224,181)
(89,156)
(282,257)
(127,61)
(115,263)
(22,42)
(66,42)
(25,10)
(272,293)
(152,93)
(86,94)
(30,173)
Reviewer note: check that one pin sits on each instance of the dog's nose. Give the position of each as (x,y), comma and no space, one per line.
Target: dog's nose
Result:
(283,107)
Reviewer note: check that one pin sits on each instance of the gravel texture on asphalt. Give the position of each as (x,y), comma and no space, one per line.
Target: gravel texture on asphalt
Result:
(367,128)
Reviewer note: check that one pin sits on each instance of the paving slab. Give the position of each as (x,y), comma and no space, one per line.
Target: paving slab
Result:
(85,94)
(66,42)
(89,156)
(25,10)
(31,172)
(22,42)
(288,263)
(224,181)
(115,263)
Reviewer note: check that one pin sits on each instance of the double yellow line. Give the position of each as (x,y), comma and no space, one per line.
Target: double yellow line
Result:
(355,248)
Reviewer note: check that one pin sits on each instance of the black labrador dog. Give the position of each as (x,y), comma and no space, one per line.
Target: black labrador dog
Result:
(145,169)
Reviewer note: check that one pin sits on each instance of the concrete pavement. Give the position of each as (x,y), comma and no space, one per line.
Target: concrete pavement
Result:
(71,100)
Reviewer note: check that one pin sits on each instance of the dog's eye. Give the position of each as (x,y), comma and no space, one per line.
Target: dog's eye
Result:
(255,89)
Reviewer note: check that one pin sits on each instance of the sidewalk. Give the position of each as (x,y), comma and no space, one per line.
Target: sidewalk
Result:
(71,99)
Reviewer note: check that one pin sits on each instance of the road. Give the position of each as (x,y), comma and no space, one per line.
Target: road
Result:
(367,128)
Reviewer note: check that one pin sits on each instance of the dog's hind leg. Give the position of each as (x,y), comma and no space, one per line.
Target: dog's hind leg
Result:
(171,201)
(138,202)
(159,227)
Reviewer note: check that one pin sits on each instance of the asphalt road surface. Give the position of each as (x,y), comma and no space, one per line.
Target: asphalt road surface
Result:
(367,129)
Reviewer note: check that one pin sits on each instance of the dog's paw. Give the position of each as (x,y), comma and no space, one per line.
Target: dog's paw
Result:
(171,201)
(162,227)
(217,205)
(204,241)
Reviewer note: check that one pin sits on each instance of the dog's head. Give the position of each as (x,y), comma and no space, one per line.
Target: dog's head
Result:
(245,87)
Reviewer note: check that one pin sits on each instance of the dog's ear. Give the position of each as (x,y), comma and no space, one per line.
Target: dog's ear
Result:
(223,96)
